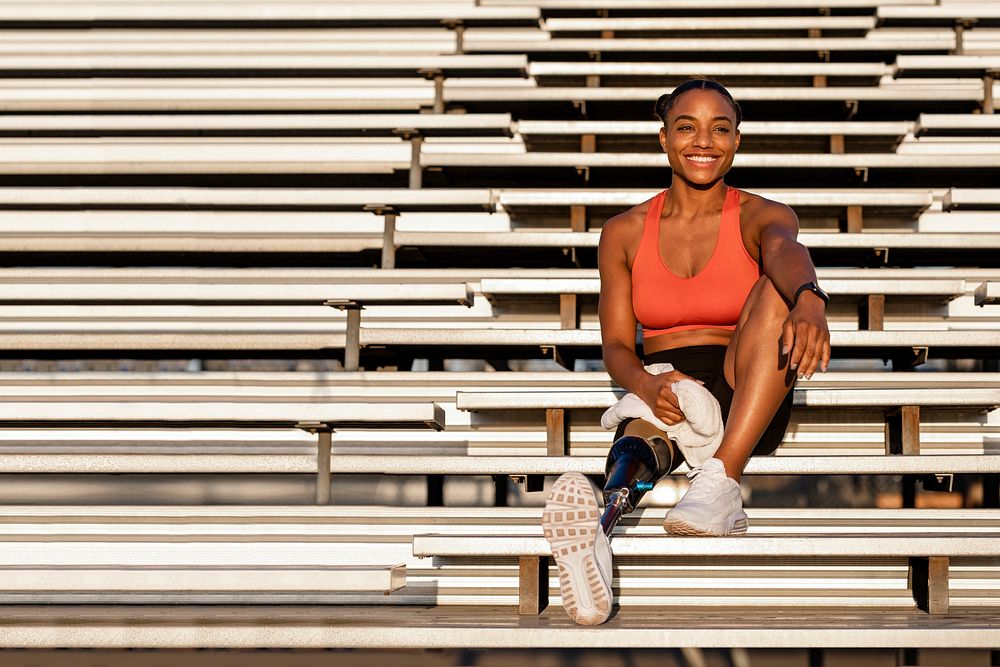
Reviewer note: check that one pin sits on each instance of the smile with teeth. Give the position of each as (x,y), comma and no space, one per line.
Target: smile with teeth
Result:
(703,159)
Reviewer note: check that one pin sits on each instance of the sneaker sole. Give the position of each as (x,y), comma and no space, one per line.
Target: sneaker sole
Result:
(570,522)
(679,527)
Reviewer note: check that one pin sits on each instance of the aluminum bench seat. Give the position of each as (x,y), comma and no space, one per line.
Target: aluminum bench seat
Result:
(462,627)
(708,23)
(925,94)
(980,125)
(337,534)
(809,238)
(872,72)
(178,555)
(228,411)
(215,94)
(215,155)
(947,14)
(332,199)
(936,146)
(981,65)
(521,466)
(971,198)
(870,294)
(404,60)
(495,124)
(96,580)
(97,41)
(948,65)
(311,627)
(411,94)
(943,430)
(900,436)
(904,347)
(394,13)
(486,40)
(351,298)
(930,547)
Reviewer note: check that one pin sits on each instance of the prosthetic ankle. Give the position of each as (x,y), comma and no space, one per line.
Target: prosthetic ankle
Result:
(634,464)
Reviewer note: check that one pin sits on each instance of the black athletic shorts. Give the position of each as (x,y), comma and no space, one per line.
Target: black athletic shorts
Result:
(705,363)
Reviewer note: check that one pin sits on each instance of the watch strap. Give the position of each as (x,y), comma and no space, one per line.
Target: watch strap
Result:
(810,287)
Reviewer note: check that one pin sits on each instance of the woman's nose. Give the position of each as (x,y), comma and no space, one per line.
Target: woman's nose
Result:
(703,138)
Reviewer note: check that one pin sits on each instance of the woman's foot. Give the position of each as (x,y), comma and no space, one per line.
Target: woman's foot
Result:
(712,505)
(572,525)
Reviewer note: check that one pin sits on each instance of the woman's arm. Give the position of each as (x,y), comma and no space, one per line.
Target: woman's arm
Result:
(618,327)
(805,333)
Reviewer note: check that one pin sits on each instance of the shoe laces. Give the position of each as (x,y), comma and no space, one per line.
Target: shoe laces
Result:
(705,486)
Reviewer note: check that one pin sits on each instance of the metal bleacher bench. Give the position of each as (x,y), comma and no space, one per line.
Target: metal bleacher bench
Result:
(538,41)
(394,13)
(672,24)
(905,347)
(475,403)
(956,124)
(971,198)
(985,67)
(185,555)
(871,293)
(494,124)
(321,418)
(453,602)
(902,405)
(929,543)
(210,291)
(818,72)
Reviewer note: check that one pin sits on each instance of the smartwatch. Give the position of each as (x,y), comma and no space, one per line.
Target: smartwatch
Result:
(815,289)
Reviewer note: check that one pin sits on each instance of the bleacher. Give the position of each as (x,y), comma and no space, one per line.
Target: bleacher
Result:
(300,319)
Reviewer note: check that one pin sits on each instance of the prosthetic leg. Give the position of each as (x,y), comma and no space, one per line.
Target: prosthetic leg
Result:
(634,465)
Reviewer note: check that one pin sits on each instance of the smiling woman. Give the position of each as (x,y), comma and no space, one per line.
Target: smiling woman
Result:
(724,293)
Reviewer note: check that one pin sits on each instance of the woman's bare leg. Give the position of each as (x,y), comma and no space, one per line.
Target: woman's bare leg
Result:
(759,373)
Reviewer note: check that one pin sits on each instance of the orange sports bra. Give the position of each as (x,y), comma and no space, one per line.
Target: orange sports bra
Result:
(712,299)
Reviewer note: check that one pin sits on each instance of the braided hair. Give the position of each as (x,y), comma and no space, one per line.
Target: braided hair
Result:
(666,101)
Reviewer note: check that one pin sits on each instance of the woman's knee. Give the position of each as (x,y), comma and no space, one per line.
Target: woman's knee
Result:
(765,300)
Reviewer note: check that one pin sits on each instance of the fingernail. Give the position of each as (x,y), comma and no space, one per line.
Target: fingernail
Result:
(794,366)
(784,349)
(824,369)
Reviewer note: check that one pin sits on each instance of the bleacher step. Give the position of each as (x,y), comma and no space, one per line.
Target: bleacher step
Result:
(304,626)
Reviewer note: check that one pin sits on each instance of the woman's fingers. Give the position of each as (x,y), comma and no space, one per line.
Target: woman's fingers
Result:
(811,350)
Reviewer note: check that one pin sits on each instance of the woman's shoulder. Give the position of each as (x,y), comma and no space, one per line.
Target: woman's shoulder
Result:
(754,206)
(627,224)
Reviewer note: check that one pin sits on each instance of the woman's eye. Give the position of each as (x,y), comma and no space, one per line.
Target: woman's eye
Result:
(722,129)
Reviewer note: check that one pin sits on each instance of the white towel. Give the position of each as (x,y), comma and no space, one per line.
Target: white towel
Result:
(698,436)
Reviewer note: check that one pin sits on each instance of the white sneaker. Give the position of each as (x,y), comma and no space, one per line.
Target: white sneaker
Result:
(572,525)
(712,505)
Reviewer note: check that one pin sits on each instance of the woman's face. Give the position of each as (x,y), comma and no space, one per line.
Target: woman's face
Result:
(700,137)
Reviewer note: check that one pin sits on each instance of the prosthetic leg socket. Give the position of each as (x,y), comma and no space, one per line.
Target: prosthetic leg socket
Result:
(634,464)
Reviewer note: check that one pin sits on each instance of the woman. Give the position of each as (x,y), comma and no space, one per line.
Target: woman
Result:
(725,293)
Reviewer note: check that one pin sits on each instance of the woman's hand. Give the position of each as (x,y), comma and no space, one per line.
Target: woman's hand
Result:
(806,335)
(655,391)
